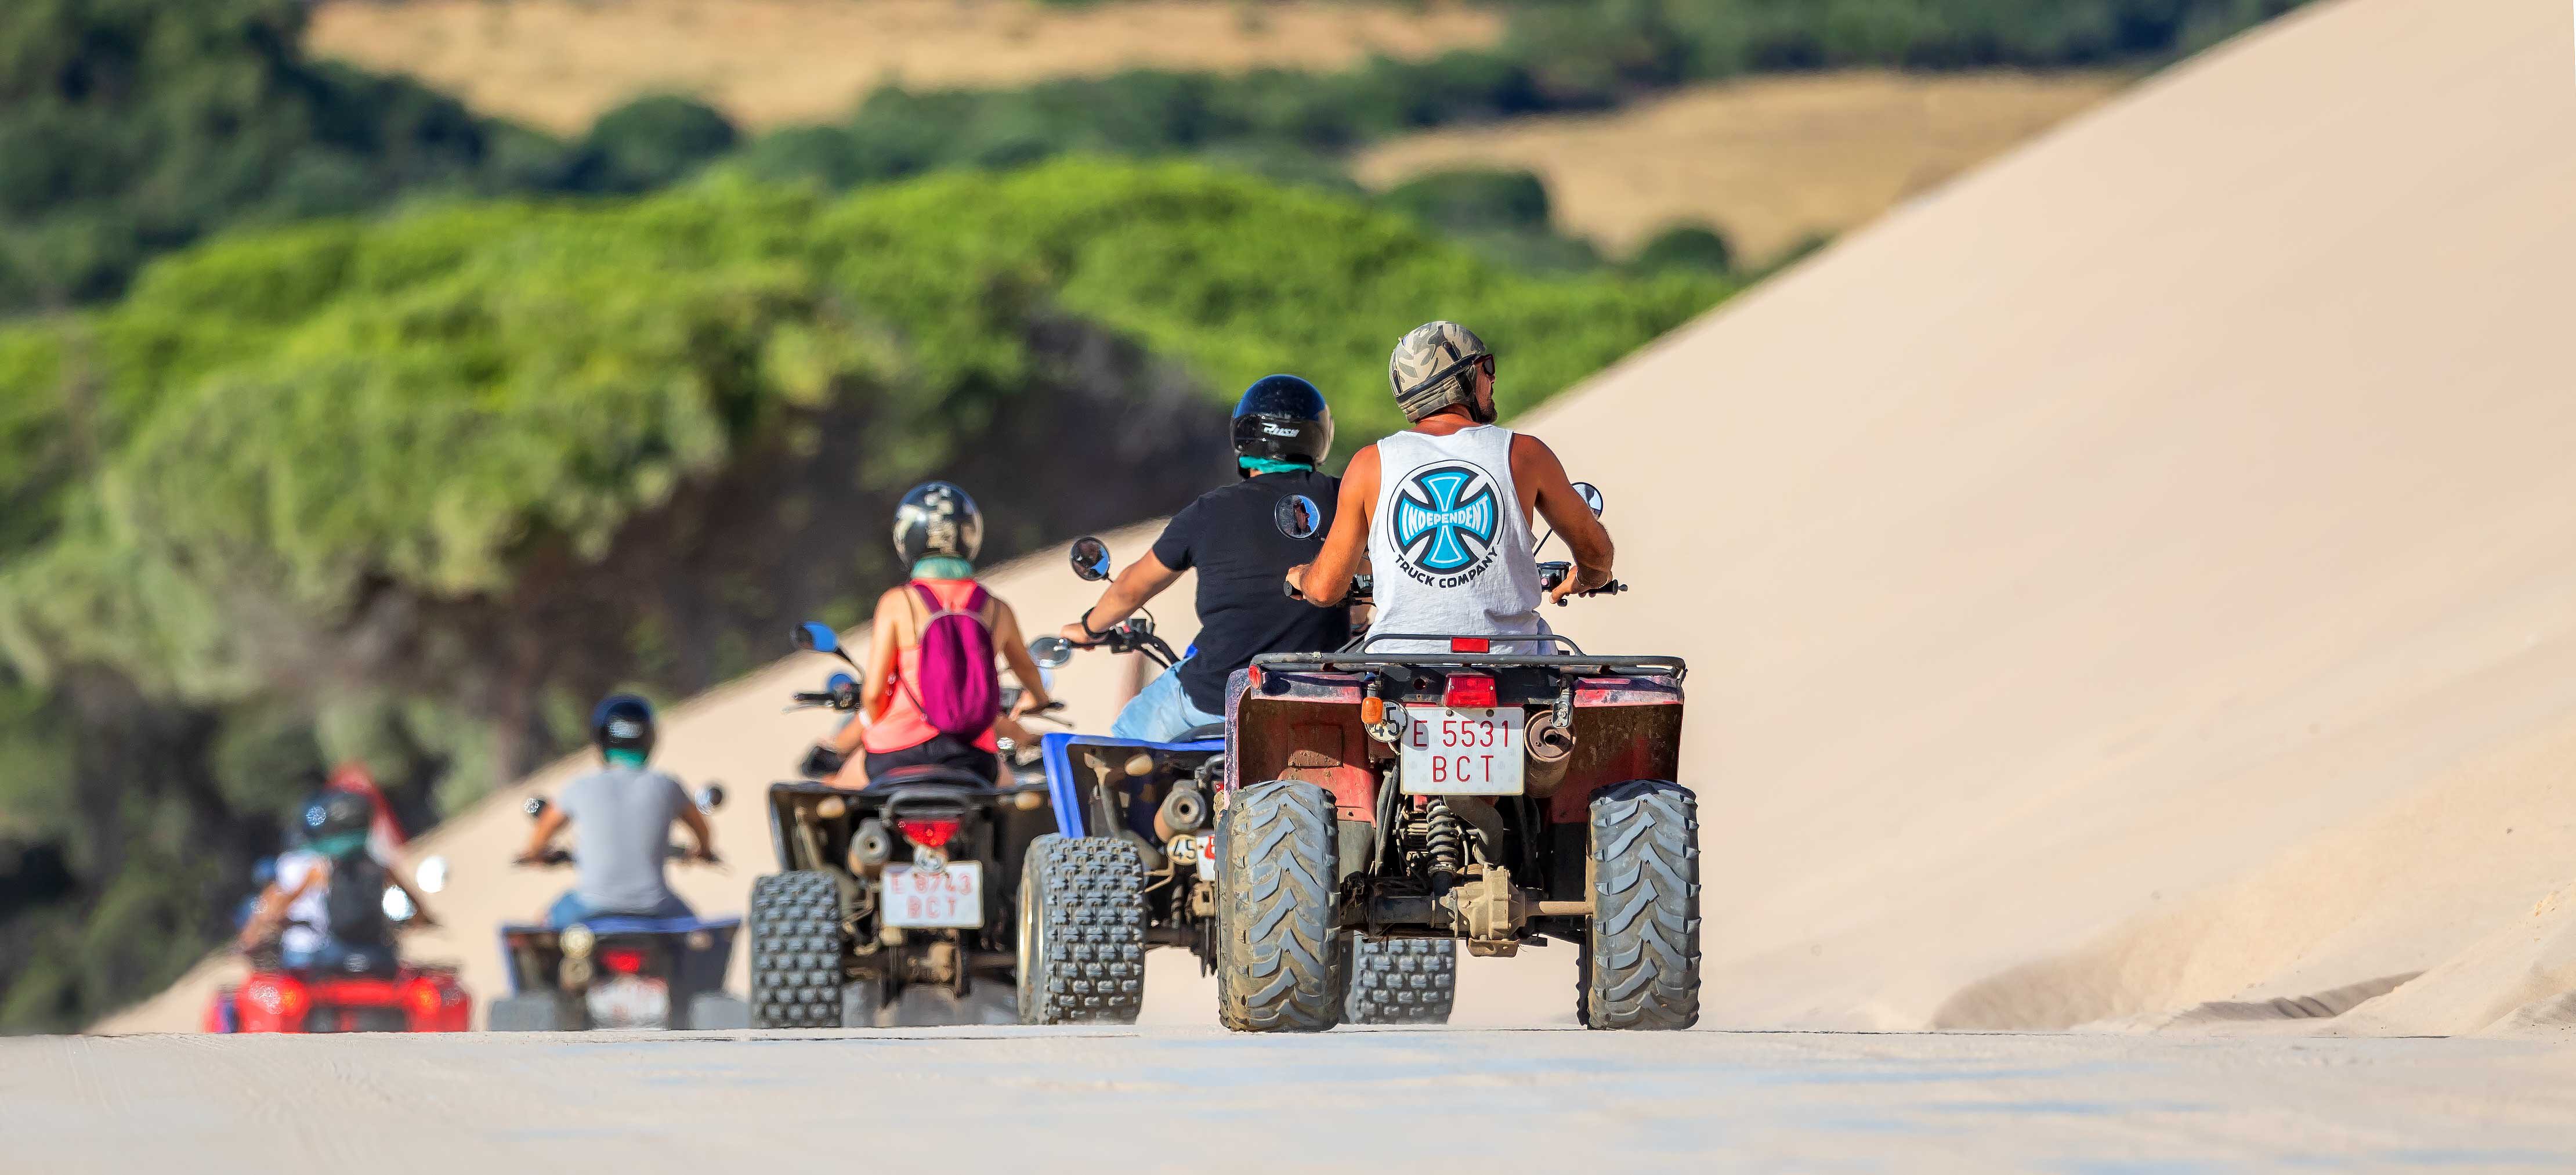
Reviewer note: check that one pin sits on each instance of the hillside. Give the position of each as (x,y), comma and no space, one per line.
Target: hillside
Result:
(1769,161)
(560,63)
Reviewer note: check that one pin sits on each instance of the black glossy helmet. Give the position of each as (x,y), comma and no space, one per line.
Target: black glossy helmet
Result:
(335,823)
(937,518)
(1283,418)
(623,722)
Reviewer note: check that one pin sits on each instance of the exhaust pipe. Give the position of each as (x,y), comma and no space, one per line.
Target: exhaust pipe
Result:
(1551,751)
(870,847)
(1184,810)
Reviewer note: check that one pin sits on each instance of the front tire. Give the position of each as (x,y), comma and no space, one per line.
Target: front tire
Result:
(1082,932)
(796,950)
(1402,981)
(1639,966)
(1276,966)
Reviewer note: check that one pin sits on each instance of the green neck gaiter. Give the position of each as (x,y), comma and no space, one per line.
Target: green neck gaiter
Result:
(1271,465)
(621,757)
(943,567)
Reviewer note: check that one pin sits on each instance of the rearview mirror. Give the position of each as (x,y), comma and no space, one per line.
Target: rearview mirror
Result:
(817,637)
(1591,495)
(1297,516)
(1091,559)
(535,807)
(1051,652)
(431,873)
(711,797)
(840,685)
(398,907)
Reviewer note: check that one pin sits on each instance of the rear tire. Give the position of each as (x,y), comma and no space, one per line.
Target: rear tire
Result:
(1639,965)
(1276,964)
(1402,981)
(1082,932)
(796,950)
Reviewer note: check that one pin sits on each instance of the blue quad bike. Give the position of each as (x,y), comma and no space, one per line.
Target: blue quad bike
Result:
(618,970)
(1133,864)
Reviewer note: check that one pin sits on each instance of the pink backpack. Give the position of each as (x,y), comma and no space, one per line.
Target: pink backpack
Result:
(957,690)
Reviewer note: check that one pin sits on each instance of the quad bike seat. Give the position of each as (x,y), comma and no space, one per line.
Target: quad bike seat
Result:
(929,773)
(345,960)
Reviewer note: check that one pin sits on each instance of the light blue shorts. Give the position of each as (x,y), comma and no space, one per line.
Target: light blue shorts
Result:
(1161,711)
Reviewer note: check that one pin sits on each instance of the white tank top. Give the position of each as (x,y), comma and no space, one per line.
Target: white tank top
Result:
(1449,548)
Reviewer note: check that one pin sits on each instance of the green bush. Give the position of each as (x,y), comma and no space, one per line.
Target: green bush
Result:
(1474,200)
(1685,246)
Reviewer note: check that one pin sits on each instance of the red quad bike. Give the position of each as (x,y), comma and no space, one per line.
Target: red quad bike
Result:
(895,905)
(356,989)
(1497,798)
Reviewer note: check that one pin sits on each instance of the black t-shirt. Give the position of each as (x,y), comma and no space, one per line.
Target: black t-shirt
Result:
(1232,537)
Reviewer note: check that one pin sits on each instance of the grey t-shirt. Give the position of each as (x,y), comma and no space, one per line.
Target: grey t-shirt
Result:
(623,816)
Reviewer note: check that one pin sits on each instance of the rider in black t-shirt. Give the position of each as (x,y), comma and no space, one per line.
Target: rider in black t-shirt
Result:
(1241,538)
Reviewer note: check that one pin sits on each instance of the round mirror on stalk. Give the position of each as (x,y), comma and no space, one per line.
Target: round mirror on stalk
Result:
(1051,652)
(1591,495)
(1091,558)
(1297,516)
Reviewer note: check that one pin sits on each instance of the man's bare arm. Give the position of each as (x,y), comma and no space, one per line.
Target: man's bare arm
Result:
(1143,580)
(1534,464)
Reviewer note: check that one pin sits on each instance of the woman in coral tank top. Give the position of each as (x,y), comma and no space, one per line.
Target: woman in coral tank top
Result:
(938,532)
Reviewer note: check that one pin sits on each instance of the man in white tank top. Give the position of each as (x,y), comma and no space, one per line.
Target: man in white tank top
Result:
(1442,512)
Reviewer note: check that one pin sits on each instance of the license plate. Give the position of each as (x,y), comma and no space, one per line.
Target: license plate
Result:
(950,898)
(1471,752)
(628,1001)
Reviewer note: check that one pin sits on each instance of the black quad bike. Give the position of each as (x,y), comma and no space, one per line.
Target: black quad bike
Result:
(895,905)
(1135,859)
(619,970)
(1502,799)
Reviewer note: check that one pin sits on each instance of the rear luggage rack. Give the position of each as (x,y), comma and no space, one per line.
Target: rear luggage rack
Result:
(1577,660)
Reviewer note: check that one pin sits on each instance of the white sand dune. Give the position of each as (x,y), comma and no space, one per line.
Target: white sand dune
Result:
(2144,574)
(2138,578)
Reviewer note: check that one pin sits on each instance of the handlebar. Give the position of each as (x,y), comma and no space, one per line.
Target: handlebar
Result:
(557,858)
(1551,574)
(1134,635)
(1363,588)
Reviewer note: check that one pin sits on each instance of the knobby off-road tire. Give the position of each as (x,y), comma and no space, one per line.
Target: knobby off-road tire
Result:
(1082,932)
(1402,981)
(796,949)
(1276,963)
(1639,964)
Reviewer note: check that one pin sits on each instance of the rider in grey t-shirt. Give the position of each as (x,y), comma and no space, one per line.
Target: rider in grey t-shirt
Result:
(624,813)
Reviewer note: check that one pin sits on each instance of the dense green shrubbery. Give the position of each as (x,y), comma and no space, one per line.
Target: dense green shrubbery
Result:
(400,481)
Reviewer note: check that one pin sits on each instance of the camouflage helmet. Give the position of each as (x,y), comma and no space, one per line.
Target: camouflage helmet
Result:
(1428,370)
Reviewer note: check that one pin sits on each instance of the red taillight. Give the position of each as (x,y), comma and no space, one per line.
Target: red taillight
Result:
(929,834)
(622,960)
(1469,691)
(1470,644)
(425,997)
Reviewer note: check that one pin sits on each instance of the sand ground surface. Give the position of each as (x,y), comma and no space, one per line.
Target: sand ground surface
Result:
(1195,1100)
(1770,161)
(560,63)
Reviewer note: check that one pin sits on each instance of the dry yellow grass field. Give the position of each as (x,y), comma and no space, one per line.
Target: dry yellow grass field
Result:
(559,63)
(1769,161)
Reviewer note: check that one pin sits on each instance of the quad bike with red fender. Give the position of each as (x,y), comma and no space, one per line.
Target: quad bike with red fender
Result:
(1500,799)
(357,994)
